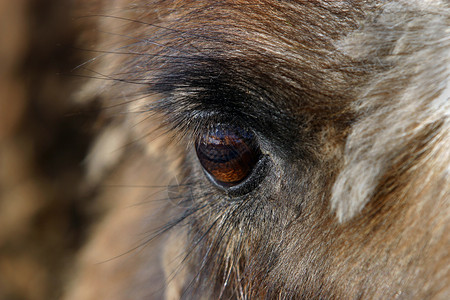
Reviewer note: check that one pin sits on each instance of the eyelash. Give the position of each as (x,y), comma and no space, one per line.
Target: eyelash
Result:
(189,120)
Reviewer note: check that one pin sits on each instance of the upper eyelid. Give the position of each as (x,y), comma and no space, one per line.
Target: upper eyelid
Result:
(192,122)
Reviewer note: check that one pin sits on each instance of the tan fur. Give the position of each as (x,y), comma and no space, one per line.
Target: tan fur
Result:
(385,175)
(353,98)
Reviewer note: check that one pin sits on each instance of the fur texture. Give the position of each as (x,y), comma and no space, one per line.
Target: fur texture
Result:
(349,103)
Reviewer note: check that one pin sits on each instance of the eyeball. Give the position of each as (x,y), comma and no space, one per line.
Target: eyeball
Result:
(228,154)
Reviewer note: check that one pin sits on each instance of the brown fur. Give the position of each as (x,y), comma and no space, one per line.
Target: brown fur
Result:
(349,100)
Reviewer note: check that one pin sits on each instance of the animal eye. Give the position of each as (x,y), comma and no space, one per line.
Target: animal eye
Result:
(228,154)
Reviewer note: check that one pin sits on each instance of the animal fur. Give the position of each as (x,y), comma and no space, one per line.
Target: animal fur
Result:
(350,101)
(350,104)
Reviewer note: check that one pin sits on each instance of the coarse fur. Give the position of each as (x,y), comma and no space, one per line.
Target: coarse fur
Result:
(349,101)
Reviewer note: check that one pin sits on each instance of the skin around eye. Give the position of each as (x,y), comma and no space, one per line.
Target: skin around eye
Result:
(228,154)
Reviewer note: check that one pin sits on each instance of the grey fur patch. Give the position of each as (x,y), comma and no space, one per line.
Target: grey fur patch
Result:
(399,103)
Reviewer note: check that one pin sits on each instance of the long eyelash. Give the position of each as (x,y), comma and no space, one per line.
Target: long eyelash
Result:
(179,32)
(177,123)
(159,231)
(191,251)
(141,41)
(184,125)
(207,258)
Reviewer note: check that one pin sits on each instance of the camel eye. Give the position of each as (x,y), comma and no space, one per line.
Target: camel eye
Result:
(228,154)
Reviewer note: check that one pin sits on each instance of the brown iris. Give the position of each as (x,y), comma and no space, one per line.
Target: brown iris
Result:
(228,154)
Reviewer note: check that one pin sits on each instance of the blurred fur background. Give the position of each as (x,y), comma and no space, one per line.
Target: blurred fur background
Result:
(45,206)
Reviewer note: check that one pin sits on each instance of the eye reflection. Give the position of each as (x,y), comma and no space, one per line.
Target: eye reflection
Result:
(228,154)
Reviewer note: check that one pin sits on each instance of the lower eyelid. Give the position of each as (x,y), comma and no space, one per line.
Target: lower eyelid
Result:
(250,183)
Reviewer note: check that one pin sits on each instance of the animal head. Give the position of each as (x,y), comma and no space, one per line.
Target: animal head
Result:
(309,140)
